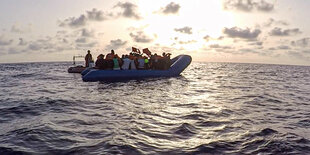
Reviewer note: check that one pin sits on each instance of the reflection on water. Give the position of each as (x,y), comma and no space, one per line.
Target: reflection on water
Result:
(216,108)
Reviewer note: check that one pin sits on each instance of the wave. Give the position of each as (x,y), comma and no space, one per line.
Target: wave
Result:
(185,130)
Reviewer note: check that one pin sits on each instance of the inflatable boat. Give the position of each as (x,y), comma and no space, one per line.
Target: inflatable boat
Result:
(179,63)
(76,69)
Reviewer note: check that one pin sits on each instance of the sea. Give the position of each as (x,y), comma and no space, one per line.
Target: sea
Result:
(212,108)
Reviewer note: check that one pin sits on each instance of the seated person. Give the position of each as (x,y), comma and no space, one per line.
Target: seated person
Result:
(166,61)
(100,62)
(146,63)
(110,64)
(132,62)
(126,63)
(153,61)
(116,63)
(141,62)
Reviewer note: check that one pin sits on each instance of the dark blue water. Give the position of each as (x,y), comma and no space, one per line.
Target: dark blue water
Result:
(213,108)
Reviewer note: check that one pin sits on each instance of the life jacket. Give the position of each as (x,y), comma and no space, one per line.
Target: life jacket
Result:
(146,60)
(110,56)
(116,64)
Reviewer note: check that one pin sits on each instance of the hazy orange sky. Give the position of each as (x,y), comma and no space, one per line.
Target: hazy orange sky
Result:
(250,31)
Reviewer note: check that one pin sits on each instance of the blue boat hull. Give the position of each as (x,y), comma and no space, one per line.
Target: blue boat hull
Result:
(179,63)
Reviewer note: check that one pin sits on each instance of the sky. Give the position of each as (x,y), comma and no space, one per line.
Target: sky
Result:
(243,31)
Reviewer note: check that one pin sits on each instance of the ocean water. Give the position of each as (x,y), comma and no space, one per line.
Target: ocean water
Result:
(213,108)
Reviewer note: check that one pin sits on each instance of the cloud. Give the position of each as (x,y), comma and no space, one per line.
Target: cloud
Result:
(283,47)
(272,21)
(217,46)
(140,37)
(95,15)
(236,32)
(17,28)
(221,48)
(88,45)
(286,32)
(64,40)
(264,6)
(186,30)
(83,19)
(304,42)
(46,44)
(220,38)
(306,51)
(74,22)
(187,42)
(14,50)
(207,38)
(239,5)
(4,41)
(35,46)
(247,50)
(87,33)
(299,55)
(248,5)
(258,43)
(129,10)
(22,42)
(81,40)
(171,8)
(116,44)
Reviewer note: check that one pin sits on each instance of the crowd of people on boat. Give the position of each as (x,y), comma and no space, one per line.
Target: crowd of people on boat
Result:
(135,60)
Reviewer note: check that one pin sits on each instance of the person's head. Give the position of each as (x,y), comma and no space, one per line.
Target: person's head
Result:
(112,51)
(164,54)
(101,56)
(88,51)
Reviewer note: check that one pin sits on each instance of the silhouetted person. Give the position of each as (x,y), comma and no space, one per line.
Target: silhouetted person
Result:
(110,56)
(88,58)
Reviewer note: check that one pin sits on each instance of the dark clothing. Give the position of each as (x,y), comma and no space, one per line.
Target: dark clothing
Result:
(88,58)
(110,64)
(101,64)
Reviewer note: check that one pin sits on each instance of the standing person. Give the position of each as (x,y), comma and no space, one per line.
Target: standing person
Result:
(110,56)
(88,58)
